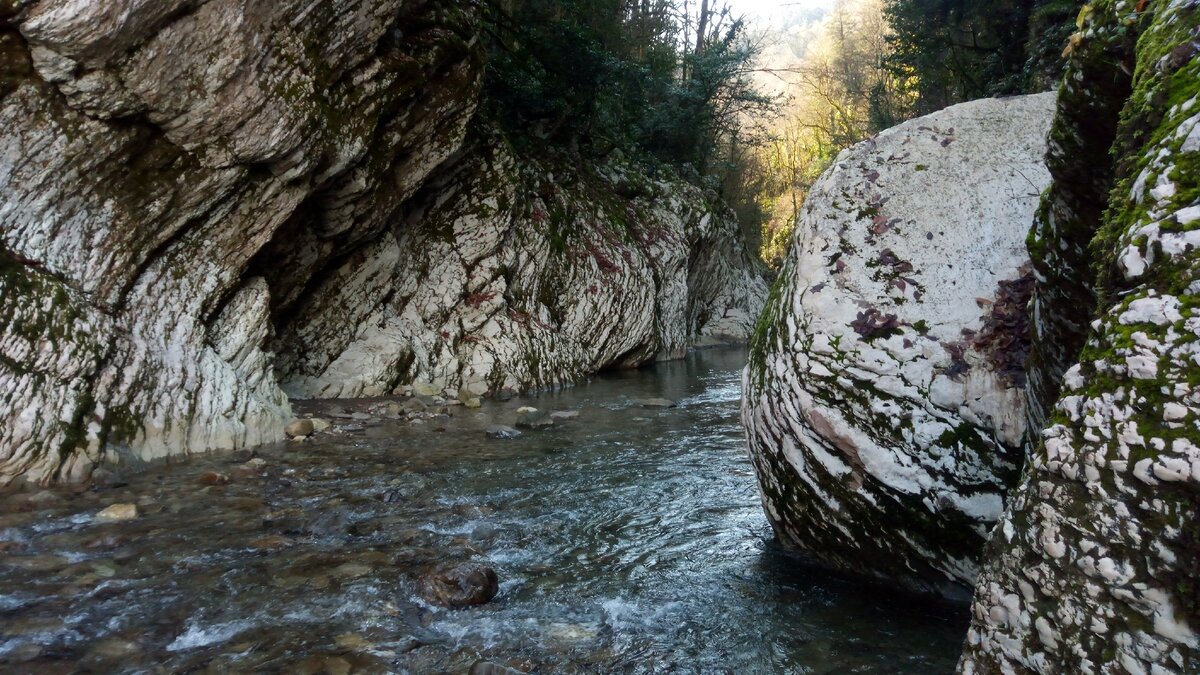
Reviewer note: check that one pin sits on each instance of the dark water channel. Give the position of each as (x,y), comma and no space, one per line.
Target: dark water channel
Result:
(626,540)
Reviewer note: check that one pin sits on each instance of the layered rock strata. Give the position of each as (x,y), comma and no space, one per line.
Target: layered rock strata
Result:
(1094,566)
(508,274)
(884,397)
(185,184)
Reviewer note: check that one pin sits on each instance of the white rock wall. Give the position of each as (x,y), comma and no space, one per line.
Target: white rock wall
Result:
(512,274)
(149,151)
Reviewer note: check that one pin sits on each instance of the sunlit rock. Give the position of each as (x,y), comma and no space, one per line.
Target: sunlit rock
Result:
(883,400)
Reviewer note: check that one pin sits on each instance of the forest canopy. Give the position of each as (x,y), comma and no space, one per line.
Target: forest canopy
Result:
(663,78)
(681,83)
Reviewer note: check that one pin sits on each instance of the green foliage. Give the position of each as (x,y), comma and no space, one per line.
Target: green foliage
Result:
(950,51)
(599,75)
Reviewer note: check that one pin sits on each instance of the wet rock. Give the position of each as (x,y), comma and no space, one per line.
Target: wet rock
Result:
(41,500)
(532,418)
(656,403)
(885,436)
(425,389)
(501,431)
(472,403)
(320,425)
(415,405)
(461,586)
(251,469)
(492,668)
(563,415)
(214,478)
(117,512)
(297,428)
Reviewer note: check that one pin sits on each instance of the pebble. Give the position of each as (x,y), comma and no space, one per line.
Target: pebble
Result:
(298,428)
(501,431)
(118,512)
(533,418)
(214,478)
(461,586)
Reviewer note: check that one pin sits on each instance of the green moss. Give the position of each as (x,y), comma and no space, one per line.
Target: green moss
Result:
(766,327)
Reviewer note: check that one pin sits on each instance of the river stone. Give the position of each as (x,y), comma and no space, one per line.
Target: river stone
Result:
(501,431)
(1094,566)
(564,415)
(492,668)
(299,428)
(532,418)
(461,586)
(883,399)
(118,512)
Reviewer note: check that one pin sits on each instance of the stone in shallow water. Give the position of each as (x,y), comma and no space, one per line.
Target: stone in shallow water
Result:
(501,431)
(564,415)
(299,428)
(118,512)
(532,418)
(461,586)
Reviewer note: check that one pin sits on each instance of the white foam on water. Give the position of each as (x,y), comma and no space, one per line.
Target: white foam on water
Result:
(196,635)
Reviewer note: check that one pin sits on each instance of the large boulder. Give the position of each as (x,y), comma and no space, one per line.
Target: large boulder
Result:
(883,401)
(1094,567)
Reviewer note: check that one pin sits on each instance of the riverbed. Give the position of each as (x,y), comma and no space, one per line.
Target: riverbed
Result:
(627,539)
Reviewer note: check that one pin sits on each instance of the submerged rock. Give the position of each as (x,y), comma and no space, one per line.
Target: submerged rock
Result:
(656,403)
(883,401)
(501,431)
(1094,566)
(462,586)
(532,418)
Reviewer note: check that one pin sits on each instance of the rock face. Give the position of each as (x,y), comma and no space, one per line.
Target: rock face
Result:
(507,274)
(187,188)
(150,150)
(884,404)
(1094,566)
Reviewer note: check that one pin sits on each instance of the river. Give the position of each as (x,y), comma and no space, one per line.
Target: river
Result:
(629,539)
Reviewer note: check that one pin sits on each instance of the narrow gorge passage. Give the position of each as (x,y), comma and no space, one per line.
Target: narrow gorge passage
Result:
(628,539)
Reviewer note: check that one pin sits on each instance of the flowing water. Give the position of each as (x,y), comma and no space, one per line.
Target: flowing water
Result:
(628,539)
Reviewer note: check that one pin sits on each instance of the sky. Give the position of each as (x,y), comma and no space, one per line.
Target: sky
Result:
(766,9)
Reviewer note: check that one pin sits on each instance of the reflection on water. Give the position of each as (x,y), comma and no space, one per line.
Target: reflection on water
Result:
(626,540)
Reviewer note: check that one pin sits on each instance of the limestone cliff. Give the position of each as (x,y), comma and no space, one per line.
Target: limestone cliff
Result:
(187,186)
(884,397)
(1094,566)
(508,273)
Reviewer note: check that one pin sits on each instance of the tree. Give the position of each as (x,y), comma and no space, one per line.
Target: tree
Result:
(957,50)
